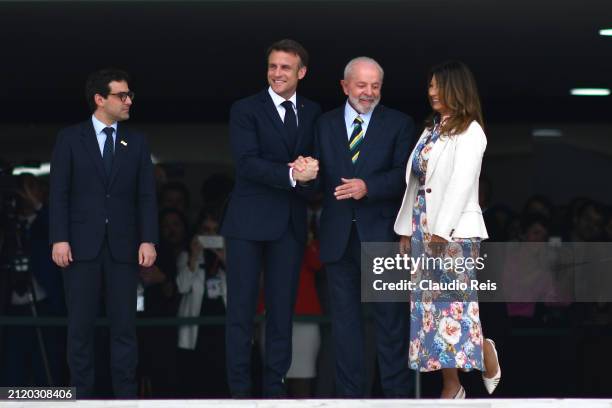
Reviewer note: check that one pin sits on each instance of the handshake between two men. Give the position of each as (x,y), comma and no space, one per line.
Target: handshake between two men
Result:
(305,169)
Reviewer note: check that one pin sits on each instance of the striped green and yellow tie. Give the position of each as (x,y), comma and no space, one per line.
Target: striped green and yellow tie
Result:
(356,138)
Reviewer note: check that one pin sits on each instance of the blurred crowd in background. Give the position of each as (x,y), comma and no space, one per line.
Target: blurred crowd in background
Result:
(564,342)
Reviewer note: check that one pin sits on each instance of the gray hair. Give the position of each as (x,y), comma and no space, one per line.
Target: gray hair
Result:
(351,64)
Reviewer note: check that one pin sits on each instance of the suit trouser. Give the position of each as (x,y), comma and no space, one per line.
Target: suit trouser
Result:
(83,282)
(280,260)
(391,328)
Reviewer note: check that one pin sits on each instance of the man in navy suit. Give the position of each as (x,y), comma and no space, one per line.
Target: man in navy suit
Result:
(103,224)
(265,220)
(362,148)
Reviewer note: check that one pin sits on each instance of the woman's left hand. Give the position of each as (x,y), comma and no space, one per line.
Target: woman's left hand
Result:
(437,244)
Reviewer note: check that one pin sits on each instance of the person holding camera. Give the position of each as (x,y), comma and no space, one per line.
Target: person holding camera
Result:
(201,280)
(31,356)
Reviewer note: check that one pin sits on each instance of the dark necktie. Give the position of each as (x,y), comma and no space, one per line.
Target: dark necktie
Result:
(290,123)
(107,154)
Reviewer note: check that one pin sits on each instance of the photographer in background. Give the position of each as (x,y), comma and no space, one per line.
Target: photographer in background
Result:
(201,281)
(157,343)
(31,356)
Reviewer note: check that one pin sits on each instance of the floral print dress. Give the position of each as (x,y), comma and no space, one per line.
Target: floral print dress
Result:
(445,329)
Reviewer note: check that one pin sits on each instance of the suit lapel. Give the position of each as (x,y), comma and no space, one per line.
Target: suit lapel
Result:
(301,120)
(340,139)
(121,146)
(272,112)
(88,137)
(375,128)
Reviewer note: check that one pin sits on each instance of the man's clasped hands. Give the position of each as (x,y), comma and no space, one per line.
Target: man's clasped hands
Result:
(305,169)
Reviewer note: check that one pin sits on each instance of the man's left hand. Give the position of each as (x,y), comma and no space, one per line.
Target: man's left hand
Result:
(351,188)
(305,169)
(146,254)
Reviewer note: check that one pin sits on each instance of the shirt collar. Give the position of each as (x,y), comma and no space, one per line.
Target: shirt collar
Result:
(99,126)
(278,100)
(350,114)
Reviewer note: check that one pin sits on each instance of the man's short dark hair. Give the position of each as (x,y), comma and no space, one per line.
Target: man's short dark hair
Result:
(290,46)
(98,83)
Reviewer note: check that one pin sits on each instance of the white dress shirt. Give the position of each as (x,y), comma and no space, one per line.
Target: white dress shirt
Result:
(100,135)
(278,103)
(349,118)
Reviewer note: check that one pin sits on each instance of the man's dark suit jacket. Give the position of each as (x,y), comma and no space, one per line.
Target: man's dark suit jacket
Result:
(263,203)
(83,198)
(381,164)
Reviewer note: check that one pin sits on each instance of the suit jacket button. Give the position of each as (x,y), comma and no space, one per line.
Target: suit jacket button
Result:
(428,190)
(108,196)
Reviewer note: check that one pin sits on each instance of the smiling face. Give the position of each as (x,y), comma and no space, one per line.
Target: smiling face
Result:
(435,98)
(284,72)
(362,86)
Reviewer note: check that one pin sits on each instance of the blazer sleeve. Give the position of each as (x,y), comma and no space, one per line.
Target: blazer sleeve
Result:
(469,150)
(391,183)
(59,190)
(185,278)
(147,199)
(308,189)
(245,149)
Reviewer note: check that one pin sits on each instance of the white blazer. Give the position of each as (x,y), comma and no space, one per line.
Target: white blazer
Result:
(191,286)
(451,187)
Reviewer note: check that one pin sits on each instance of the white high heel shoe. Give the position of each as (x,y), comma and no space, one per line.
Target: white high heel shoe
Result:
(460,393)
(491,383)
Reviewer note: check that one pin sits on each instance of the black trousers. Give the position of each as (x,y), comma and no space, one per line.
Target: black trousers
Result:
(280,261)
(391,329)
(84,281)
